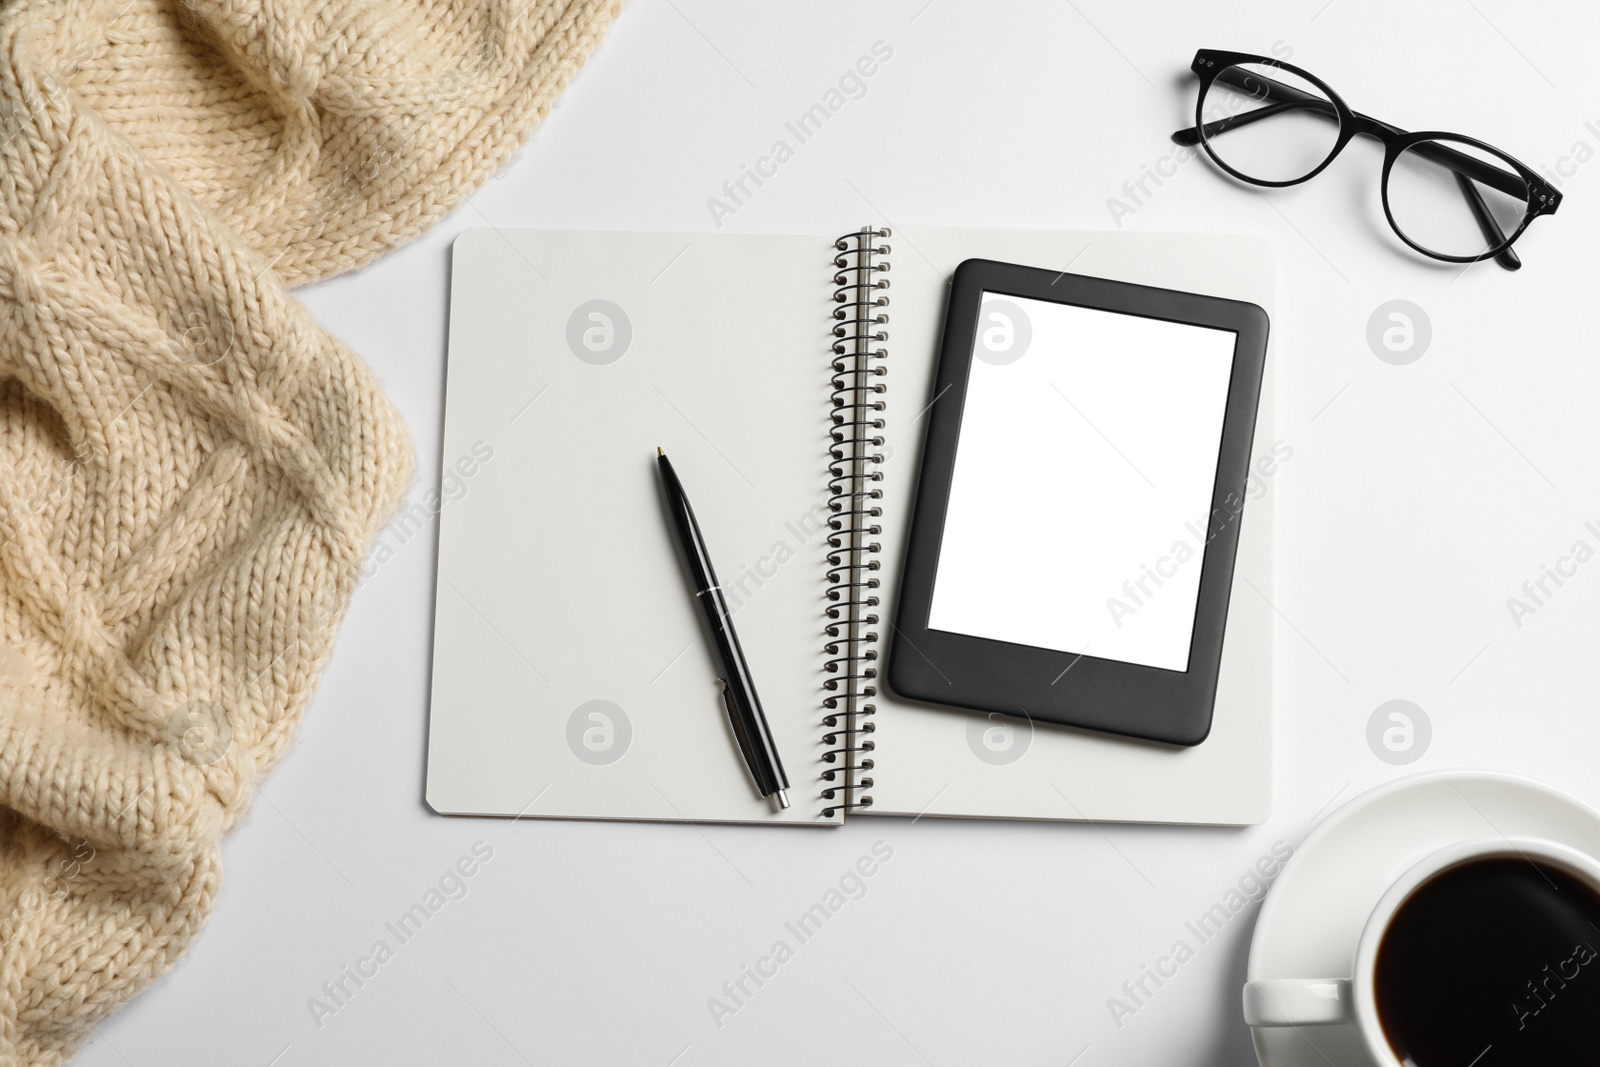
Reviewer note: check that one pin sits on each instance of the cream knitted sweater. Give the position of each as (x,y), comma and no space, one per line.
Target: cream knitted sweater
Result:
(190,468)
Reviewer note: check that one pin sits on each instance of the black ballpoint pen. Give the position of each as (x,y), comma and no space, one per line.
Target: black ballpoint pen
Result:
(738,688)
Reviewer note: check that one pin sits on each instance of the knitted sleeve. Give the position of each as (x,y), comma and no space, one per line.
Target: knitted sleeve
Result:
(191,469)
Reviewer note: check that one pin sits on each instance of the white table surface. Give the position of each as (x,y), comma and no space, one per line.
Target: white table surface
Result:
(1418,499)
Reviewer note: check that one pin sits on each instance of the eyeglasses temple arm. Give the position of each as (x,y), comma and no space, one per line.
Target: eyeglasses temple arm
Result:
(1286,97)
(1193,135)
(1486,223)
(1460,162)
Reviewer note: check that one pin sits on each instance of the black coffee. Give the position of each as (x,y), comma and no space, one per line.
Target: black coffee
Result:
(1493,963)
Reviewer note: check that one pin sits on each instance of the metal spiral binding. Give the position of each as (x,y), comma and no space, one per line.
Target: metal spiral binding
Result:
(857,418)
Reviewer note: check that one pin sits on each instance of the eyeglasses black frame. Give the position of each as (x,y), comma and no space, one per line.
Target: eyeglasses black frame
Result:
(1541,196)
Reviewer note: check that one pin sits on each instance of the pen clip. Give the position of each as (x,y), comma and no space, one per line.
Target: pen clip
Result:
(746,749)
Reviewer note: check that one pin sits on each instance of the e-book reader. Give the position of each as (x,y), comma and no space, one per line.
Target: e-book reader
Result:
(1079,503)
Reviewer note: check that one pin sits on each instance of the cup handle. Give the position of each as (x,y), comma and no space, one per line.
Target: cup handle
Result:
(1298,1001)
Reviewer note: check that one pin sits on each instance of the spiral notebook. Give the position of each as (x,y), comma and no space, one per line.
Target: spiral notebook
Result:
(788,378)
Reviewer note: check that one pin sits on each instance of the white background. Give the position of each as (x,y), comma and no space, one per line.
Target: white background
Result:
(1418,499)
(1078,464)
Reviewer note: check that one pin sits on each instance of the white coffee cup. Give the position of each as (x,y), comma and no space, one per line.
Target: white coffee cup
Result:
(1319,1001)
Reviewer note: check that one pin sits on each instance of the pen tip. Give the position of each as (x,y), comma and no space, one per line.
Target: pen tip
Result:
(783,799)
(659,452)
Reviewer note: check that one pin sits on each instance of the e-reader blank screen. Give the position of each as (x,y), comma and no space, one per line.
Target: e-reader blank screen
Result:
(1082,487)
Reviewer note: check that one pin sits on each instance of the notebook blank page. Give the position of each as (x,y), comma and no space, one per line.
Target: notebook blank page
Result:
(572,674)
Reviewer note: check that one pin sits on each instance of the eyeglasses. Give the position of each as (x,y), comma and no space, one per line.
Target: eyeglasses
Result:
(1447,196)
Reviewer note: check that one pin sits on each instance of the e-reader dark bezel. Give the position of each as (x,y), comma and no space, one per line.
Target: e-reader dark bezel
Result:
(1174,707)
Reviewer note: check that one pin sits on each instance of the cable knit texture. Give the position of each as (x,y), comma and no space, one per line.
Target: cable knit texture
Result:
(191,469)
